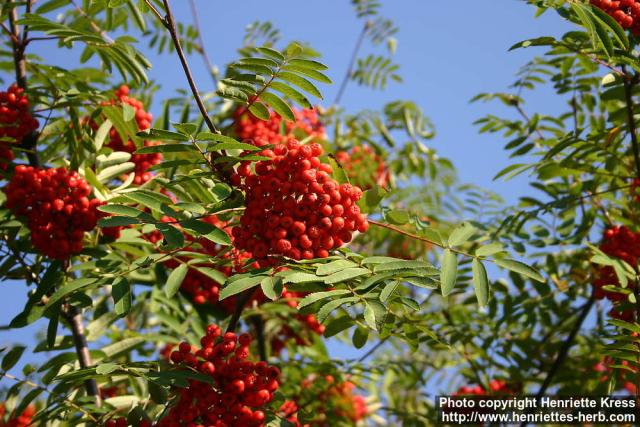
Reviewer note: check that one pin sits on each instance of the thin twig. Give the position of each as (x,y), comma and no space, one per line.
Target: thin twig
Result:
(352,61)
(92,23)
(203,49)
(170,24)
(416,237)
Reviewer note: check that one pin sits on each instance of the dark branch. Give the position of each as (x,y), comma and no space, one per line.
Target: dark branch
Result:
(73,316)
(170,24)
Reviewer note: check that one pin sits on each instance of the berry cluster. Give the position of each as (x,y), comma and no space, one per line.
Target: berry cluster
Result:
(57,206)
(364,167)
(240,388)
(625,376)
(260,132)
(329,403)
(495,387)
(16,120)
(618,242)
(25,419)
(143,119)
(287,333)
(201,288)
(294,207)
(625,12)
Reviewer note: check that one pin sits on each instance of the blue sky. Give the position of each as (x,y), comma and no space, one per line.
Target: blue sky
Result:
(448,51)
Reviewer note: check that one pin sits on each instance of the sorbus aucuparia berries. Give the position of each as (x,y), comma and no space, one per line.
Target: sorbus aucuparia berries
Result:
(240,387)
(16,120)
(364,167)
(57,207)
(625,12)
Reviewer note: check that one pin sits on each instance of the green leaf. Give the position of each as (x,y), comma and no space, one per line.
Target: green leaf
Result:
(235,287)
(272,287)
(260,110)
(167,148)
(207,231)
(12,357)
(480,282)
(162,135)
(175,280)
(374,314)
(520,268)
(301,82)
(360,337)
(490,249)
(117,221)
(449,272)
(69,288)
(121,292)
(317,296)
(335,266)
(278,105)
(106,368)
(331,306)
(346,274)
(337,325)
(115,171)
(126,211)
(173,236)
(461,234)
(386,292)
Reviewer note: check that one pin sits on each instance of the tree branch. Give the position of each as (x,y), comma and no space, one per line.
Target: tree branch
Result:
(20,64)
(170,24)
(73,317)
(243,298)
(258,324)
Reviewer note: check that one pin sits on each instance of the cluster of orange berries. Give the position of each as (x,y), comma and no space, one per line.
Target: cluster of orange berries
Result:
(625,12)
(622,243)
(259,132)
(294,207)
(16,122)
(57,207)
(364,167)
(333,402)
(25,419)
(287,333)
(143,119)
(240,387)
(495,387)
(626,376)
